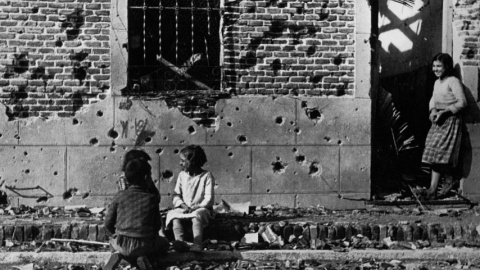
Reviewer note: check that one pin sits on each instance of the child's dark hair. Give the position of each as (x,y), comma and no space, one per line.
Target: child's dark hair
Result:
(195,155)
(447,62)
(134,154)
(135,171)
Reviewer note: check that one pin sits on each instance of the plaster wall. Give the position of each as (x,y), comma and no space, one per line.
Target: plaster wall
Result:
(293,150)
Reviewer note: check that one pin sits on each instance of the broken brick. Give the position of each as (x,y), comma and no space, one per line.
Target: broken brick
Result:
(92,232)
(18,234)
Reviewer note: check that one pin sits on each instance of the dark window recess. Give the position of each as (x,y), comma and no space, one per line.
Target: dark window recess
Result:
(173,45)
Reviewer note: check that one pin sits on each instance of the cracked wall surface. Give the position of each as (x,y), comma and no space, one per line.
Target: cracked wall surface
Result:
(294,150)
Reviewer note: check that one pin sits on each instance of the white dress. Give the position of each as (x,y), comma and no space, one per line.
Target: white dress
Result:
(193,191)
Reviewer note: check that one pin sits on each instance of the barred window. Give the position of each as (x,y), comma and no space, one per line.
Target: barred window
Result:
(174,45)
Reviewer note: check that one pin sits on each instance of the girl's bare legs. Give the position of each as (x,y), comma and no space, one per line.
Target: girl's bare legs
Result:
(434,183)
(197,228)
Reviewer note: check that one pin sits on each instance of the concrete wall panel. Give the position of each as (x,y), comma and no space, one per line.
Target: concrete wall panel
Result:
(355,169)
(21,168)
(231,168)
(324,121)
(153,123)
(41,132)
(97,169)
(288,169)
(259,120)
(91,126)
(474,132)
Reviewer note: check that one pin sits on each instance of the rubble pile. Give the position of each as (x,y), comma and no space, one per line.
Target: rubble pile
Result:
(364,264)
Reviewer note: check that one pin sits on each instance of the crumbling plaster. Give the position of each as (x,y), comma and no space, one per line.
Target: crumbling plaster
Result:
(332,136)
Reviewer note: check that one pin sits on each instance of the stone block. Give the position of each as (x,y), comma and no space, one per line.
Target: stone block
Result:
(76,231)
(363,23)
(91,126)
(66,231)
(57,231)
(366,231)
(8,231)
(83,232)
(47,232)
(22,169)
(433,232)
(28,233)
(147,123)
(331,201)
(332,233)
(407,233)
(349,232)
(313,236)
(92,232)
(254,121)
(322,232)
(286,169)
(400,235)
(18,233)
(37,232)
(102,233)
(417,233)
(375,233)
(383,231)
(333,122)
(42,132)
(355,169)
(457,231)
(392,232)
(339,232)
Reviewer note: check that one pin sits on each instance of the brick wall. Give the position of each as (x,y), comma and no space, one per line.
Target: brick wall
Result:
(282,47)
(466,26)
(54,55)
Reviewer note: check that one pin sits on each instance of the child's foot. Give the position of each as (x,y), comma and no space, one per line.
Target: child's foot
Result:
(143,263)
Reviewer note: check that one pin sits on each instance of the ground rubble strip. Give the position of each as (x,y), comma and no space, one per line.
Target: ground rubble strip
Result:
(265,233)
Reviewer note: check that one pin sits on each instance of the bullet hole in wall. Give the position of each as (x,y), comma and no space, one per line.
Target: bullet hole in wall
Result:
(27,171)
(112,134)
(171,127)
(339,142)
(230,154)
(313,113)
(297,130)
(279,120)
(165,138)
(85,195)
(159,151)
(94,141)
(69,193)
(167,176)
(300,159)
(294,150)
(191,130)
(229,124)
(337,60)
(25,153)
(75,121)
(279,167)
(148,139)
(55,173)
(176,151)
(242,139)
(314,169)
(99,113)
(303,104)
(327,139)
(268,190)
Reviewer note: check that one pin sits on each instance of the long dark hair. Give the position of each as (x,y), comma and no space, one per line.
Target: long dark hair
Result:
(447,62)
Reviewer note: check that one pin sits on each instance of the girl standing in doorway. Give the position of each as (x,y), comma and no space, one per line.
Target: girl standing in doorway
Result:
(443,142)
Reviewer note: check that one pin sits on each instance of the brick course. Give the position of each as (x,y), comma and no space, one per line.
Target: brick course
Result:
(43,45)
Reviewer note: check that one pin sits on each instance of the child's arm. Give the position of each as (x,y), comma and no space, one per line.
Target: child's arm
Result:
(208,198)
(177,195)
(111,217)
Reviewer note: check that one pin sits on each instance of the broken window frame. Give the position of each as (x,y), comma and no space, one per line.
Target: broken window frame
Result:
(157,65)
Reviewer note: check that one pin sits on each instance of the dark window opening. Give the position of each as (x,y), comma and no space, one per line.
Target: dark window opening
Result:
(173,45)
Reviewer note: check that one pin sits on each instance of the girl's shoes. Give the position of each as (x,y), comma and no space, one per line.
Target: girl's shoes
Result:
(196,248)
